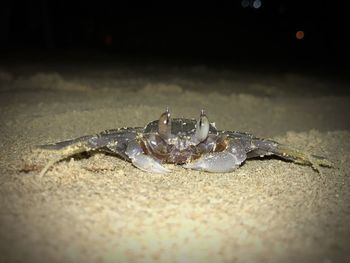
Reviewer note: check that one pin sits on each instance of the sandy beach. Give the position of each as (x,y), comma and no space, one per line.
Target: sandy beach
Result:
(100,208)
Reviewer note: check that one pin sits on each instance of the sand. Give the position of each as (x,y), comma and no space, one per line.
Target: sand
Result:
(102,209)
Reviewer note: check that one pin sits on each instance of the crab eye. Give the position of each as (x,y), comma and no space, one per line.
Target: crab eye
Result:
(164,125)
(202,127)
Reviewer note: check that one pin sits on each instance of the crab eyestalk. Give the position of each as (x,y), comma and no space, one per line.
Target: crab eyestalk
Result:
(202,127)
(164,125)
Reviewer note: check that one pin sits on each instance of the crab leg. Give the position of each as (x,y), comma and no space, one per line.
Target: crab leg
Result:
(299,157)
(113,140)
(240,149)
(260,147)
(65,149)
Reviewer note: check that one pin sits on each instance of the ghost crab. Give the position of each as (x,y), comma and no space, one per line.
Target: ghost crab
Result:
(194,144)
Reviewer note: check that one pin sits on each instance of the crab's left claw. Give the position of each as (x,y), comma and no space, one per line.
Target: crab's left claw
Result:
(142,161)
(220,162)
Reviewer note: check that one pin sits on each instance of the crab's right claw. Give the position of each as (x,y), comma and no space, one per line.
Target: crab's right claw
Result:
(142,161)
(148,164)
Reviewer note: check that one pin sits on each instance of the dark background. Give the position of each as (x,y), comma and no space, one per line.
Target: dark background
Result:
(232,32)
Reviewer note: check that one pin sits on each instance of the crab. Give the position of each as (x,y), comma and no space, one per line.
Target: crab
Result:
(193,144)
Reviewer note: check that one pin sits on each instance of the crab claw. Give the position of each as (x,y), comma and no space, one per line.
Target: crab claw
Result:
(148,164)
(142,161)
(219,162)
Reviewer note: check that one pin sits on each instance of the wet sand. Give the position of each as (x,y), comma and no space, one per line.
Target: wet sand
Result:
(102,209)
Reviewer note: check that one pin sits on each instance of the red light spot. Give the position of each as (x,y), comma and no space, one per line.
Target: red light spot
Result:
(300,34)
(108,40)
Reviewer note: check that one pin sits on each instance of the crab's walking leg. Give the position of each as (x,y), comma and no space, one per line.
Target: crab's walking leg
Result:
(65,149)
(268,147)
(220,162)
(142,161)
(296,156)
(114,141)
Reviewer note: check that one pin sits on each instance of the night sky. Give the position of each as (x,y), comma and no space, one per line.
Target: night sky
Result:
(236,31)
